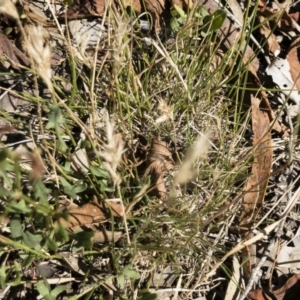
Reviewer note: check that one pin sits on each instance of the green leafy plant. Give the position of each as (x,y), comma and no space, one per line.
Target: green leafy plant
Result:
(47,293)
(209,22)
(128,273)
(178,18)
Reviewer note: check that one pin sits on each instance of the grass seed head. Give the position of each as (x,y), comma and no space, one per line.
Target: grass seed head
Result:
(40,53)
(166,110)
(199,150)
(8,7)
(112,153)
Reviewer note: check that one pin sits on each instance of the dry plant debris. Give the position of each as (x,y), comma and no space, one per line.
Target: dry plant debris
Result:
(159,162)
(289,291)
(166,71)
(261,168)
(90,213)
(11,52)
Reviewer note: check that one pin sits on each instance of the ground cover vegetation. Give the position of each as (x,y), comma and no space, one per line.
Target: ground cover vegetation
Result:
(149,150)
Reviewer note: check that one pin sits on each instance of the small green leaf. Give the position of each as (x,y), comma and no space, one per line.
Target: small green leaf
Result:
(3,276)
(41,191)
(18,207)
(84,240)
(62,234)
(32,240)
(219,17)
(178,17)
(55,117)
(214,21)
(3,154)
(99,172)
(27,258)
(4,192)
(174,25)
(68,188)
(130,273)
(180,12)
(67,2)
(105,188)
(17,277)
(67,166)
(61,145)
(146,295)
(16,229)
(43,289)
(202,11)
(8,30)
(121,280)
(58,290)
(80,188)
(51,244)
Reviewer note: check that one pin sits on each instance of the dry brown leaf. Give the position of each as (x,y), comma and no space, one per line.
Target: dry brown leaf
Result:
(254,82)
(295,16)
(159,162)
(262,164)
(155,8)
(105,236)
(277,17)
(136,5)
(257,183)
(265,30)
(10,51)
(293,59)
(289,291)
(35,15)
(90,213)
(101,235)
(37,166)
(83,8)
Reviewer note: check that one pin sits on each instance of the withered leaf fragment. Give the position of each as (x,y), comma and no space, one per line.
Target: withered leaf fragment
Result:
(261,168)
(287,292)
(85,8)
(159,163)
(9,50)
(90,213)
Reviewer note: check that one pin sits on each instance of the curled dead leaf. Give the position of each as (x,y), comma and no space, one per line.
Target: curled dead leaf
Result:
(293,59)
(11,52)
(159,162)
(156,9)
(136,5)
(101,235)
(287,292)
(83,8)
(90,213)
(266,31)
(37,165)
(261,168)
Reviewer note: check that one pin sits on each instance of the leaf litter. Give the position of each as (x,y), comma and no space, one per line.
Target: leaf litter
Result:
(266,117)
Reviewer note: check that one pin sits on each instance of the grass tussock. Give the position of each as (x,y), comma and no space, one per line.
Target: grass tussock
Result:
(96,119)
